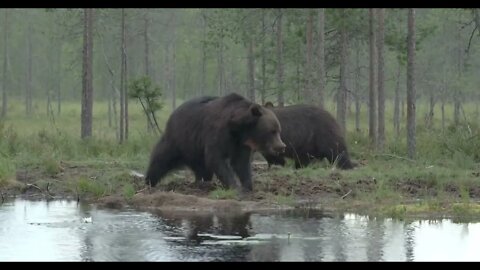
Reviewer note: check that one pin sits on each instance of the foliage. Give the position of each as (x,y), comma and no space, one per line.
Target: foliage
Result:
(149,97)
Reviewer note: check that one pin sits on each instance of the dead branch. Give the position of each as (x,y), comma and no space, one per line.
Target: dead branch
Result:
(470,40)
(35,186)
(41,190)
(343,197)
(395,156)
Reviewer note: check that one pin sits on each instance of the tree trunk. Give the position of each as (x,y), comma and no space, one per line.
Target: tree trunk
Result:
(348,94)
(372,123)
(147,61)
(357,87)
(87,86)
(251,69)
(114,97)
(280,99)
(411,84)
(109,104)
(477,111)
(48,80)
(5,66)
(429,118)
(298,89)
(443,115)
(396,106)
(59,78)
(203,79)
(174,59)
(264,62)
(308,96)
(147,47)
(233,80)
(221,68)
(123,73)
(48,108)
(125,82)
(167,69)
(321,57)
(186,79)
(456,108)
(342,90)
(444,92)
(28,96)
(456,93)
(381,80)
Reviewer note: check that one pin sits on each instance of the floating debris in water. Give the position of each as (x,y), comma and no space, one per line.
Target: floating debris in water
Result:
(220,237)
(87,220)
(232,242)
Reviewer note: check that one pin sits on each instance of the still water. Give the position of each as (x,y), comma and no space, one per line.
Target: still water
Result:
(62,231)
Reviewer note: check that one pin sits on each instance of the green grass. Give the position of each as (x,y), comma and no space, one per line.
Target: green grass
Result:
(40,141)
(458,212)
(7,170)
(220,193)
(284,200)
(91,187)
(397,212)
(52,166)
(128,191)
(389,176)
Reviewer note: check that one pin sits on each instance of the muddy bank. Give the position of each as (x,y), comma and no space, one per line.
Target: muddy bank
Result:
(115,186)
(172,201)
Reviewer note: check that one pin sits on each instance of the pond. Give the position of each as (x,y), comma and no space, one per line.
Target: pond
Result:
(71,231)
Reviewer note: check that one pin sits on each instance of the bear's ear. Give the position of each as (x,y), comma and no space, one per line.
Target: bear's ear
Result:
(256,110)
(242,118)
(268,104)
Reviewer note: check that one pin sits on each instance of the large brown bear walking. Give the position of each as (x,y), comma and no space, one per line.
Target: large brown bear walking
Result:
(309,133)
(216,135)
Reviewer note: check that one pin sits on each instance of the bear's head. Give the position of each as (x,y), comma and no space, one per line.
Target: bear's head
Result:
(258,128)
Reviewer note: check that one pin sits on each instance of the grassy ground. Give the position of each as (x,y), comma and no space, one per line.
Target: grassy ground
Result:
(44,156)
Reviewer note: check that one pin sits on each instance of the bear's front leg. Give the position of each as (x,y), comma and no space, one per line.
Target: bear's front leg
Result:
(223,170)
(242,165)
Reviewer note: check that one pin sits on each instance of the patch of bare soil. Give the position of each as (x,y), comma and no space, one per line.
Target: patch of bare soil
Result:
(178,201)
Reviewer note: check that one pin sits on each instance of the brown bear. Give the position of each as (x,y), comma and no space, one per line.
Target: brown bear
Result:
(216,135)
(309,133)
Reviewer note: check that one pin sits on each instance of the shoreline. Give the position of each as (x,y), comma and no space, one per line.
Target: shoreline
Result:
(277,189)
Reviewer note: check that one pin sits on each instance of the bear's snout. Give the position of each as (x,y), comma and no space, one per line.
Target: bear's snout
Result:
(280,148)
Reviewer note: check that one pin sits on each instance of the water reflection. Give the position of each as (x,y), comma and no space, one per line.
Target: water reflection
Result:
(40,231)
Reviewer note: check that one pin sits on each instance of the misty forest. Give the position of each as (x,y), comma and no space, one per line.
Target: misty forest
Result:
(85,95)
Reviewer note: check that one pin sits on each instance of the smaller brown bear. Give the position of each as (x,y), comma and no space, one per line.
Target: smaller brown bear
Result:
(309,133)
